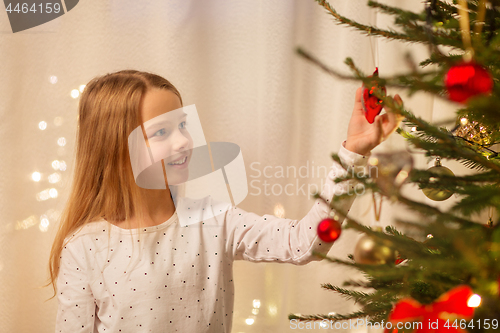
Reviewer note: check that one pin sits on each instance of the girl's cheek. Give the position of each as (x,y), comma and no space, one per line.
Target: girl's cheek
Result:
(160,150)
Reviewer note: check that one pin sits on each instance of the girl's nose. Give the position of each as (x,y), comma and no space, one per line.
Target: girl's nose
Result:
(180,141)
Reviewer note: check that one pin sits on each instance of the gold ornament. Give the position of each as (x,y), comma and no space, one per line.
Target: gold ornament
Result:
(434,193)
(372,251)
(474,132)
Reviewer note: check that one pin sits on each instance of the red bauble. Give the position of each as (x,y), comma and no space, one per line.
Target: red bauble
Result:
(467,79)
(371,104)
(329,230)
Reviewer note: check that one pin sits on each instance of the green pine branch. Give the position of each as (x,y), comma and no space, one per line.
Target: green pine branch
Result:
(400,13)
(417,36)
(356,296)
(478,199)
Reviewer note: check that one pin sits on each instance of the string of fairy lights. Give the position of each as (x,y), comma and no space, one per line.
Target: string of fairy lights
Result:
(51,178)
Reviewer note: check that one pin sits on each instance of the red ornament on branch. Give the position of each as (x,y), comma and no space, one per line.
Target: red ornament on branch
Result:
(399,259)
(372,105)
(466,80)
(433,317)
(329,230)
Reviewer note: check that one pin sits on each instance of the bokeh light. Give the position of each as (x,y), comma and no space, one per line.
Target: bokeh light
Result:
(474,301)
(54,178)
(36,176)
(279,211)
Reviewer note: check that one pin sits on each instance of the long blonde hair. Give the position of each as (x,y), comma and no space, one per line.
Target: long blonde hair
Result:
(103,183)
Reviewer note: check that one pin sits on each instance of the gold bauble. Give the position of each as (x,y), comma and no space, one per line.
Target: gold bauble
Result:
(434,193)
(372,251)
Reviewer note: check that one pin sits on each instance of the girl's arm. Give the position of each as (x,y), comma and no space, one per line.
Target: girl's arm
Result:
(76,311)
(269,238)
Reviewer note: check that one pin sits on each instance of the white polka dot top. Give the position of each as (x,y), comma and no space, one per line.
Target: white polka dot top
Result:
(173,278)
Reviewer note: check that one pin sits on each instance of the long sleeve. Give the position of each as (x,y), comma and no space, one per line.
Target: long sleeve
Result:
(269,238)
(76,310)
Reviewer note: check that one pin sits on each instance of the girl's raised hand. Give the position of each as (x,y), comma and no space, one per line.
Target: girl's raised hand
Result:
(362,136)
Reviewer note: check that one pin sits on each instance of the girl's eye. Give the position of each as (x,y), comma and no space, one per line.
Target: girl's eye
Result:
(182,125)
(159,133)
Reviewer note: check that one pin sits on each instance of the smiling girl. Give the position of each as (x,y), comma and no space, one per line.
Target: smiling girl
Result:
(122,262)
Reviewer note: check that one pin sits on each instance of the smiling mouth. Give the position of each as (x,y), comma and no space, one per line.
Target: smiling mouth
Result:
(179,161)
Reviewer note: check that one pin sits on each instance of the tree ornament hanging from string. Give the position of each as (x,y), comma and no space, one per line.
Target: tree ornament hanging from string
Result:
(371,250)
(467,78)
(329,230)
(434,193)
(372,105)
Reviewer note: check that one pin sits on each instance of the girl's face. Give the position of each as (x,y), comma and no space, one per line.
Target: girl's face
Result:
(167,135)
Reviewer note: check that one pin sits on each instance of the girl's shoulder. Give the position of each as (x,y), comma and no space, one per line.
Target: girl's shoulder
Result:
(89,231)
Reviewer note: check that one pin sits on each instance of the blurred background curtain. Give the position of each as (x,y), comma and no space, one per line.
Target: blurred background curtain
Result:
(236,61)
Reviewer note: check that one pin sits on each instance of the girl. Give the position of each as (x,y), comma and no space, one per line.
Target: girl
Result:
(121,262)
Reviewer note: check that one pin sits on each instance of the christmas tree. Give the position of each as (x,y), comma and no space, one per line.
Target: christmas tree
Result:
(439,270)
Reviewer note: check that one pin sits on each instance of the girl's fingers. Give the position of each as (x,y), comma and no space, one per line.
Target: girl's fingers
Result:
(379,122)
(393,120)
(398,100)
(391,123)
(358,106)
(358,94)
